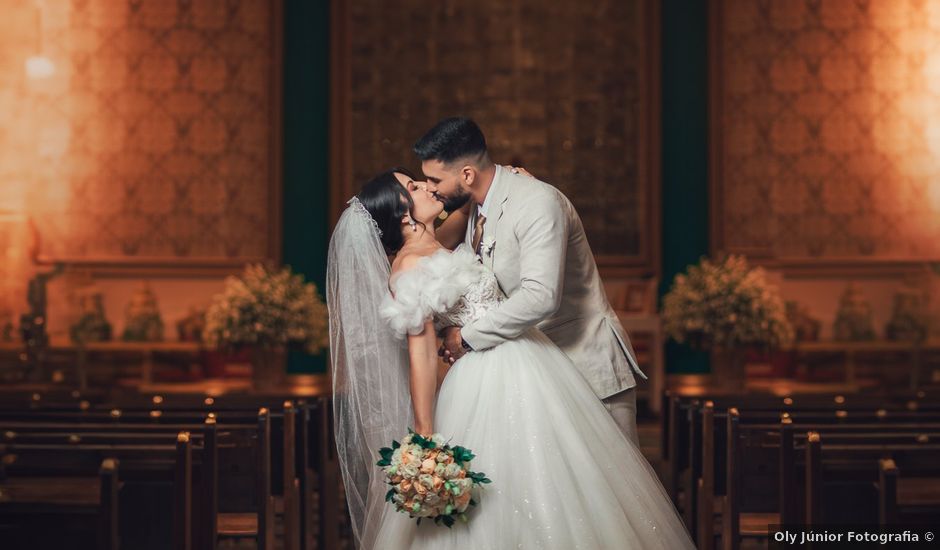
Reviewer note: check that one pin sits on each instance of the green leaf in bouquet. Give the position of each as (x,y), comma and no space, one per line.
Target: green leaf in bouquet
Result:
(423,442)
(463,454)
(395,444)
(389,495)
(478,477)
(446,520)
(386,454)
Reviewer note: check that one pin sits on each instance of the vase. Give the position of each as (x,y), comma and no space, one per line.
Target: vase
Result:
(268,367)
(728,368)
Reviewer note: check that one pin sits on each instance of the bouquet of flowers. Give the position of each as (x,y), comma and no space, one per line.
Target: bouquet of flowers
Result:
(268,309)
(726,304)
(429,478)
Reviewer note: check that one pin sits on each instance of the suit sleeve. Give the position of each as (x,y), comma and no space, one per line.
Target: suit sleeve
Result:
(541,228)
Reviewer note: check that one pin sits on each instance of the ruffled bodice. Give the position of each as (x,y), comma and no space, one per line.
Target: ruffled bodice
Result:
(450,288)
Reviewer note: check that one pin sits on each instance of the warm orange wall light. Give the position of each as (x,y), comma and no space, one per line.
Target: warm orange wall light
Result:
(908,76)
(26,70)
(39,65)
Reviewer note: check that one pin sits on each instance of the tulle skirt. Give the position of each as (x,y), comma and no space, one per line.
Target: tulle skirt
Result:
(563,475)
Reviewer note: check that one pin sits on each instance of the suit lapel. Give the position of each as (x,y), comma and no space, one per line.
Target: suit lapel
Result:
(499,204)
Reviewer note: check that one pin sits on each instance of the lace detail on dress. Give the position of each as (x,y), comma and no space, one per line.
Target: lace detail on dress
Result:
(452,289)
(358,207)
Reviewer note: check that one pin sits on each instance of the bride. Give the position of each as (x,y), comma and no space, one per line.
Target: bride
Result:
(563,475)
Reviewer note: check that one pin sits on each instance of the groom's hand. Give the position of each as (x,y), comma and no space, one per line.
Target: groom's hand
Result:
(452,348)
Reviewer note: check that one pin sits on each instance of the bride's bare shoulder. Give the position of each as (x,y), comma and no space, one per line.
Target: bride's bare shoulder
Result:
(407,259)
(404,262)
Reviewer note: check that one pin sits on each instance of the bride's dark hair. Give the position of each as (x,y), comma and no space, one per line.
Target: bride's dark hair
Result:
(387,202)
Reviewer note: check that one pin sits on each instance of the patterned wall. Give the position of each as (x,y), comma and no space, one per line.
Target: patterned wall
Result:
(557,86)
(829,144)
(153,137)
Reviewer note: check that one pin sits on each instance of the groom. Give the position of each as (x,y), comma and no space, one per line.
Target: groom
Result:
(531,236)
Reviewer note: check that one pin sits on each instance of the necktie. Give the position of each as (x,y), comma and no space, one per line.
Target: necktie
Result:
(478,232)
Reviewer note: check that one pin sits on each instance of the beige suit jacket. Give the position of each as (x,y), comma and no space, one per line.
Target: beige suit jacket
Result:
(534,241)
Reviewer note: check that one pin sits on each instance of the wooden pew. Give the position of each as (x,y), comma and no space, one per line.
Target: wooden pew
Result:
(772,453)
(245,466)
(258,522)
(39,479)
(856,465)
(911,496)
(324,472)
(683,428)
(676,449)
(313,467)
(100,499)
(674,418)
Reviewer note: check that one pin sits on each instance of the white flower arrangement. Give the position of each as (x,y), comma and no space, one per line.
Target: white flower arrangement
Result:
(727,305)
(429,478)
(268,309)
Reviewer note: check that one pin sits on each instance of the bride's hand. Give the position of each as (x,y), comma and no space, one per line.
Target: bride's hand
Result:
(424,431)
(519,170)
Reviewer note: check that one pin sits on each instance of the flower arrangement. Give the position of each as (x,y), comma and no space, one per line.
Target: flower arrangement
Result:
(268,309)
(727,304)
(429,478)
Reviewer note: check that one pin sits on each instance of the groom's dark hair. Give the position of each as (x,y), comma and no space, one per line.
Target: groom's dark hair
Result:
(451,139)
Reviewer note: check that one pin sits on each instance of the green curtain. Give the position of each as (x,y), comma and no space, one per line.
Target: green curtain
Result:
(306,149)
(685,152)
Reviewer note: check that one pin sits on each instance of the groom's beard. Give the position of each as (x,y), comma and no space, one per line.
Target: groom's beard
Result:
(455,202)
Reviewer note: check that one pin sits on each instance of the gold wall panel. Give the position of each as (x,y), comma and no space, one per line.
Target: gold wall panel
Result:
(826,131)
(156,135)
(568,89)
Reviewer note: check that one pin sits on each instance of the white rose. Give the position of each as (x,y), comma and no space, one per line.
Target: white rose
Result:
(426,480)
(409,470)
(451,471)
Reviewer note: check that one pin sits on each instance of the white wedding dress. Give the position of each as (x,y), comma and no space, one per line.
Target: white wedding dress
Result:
(563,475)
